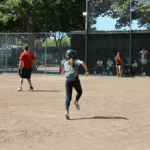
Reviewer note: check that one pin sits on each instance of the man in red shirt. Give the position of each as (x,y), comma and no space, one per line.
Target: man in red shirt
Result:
(26,59)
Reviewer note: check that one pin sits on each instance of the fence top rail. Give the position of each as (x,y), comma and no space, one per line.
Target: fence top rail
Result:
(111,32)
(82,32)
(36,33)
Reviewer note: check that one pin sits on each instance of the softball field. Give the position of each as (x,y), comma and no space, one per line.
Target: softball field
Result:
(114,115)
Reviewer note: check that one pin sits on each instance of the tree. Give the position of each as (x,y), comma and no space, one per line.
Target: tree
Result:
(66,41)
(97,8)
(123,13)
(41,16)
(58,37)
(120,10)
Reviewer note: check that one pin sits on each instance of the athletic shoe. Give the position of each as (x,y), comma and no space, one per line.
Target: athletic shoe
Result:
(67,115)
(19,89)
(30,89)
(77,105)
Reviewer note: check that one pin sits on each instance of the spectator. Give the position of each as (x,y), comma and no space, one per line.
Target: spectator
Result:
(122,66)
(135,66)
(110,66)
(128,68)
(100,65)
(144,53)
(118,60)
(143,62)
(62,66)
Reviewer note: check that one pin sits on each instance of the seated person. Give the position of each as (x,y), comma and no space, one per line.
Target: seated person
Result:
(62,66)
(135,66)
(100,66)
(144,53)
(122,66)
(109,66)
(128,69)
(143,61)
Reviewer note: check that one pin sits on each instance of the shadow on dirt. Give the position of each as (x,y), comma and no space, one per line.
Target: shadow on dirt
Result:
(46,91)
(102,117)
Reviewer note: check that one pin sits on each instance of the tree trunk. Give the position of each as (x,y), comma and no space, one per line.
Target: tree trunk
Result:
(59,62)
(31,42)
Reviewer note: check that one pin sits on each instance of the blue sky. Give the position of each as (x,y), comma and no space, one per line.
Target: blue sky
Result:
(106,23)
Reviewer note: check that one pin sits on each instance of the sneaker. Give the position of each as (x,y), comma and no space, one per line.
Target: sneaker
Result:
(77,105)
(30,89)
(19,89)
(67,115)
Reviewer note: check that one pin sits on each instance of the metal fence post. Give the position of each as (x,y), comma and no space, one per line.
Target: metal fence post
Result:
(11,55)
(2,57)
(16,45)
(86,31)
(10,46)
(70,40)
(45,50)
(6,53)
(130,35)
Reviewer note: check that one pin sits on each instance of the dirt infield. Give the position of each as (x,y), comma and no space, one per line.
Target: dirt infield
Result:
(114,115)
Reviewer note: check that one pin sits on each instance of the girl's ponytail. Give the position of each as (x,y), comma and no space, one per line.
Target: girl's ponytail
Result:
(71,62)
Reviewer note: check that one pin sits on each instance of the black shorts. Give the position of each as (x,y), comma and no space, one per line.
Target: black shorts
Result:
(26,73)
(118,64)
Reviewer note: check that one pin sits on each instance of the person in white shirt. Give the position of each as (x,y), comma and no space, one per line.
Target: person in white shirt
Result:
(100,65)
(144,53)
(135,65)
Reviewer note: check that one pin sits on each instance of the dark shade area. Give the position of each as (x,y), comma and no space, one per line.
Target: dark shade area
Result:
(107,45)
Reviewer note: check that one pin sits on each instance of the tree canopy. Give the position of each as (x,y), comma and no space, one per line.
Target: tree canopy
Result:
(141,14)
(64,15)
(120,10)
(41,15)
(22,41)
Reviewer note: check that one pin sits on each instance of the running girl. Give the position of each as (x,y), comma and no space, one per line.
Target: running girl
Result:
(72,80)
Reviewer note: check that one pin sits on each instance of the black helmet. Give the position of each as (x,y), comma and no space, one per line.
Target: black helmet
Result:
(26,48)
(70,54)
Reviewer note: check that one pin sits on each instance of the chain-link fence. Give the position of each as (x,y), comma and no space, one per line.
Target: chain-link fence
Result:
(116,26)
(113,26)
(48,48)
